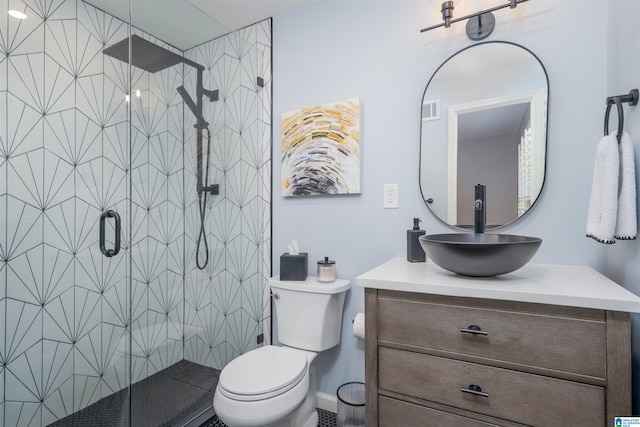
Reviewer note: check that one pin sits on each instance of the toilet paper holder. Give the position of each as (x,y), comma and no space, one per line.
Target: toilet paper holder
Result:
(358,325)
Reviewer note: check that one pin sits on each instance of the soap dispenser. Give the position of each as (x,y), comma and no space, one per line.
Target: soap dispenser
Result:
(415,253)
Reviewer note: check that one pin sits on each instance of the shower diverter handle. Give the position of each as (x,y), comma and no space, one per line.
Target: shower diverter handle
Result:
(103,218)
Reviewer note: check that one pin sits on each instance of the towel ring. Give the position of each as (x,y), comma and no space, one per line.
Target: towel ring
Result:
(631,98)
(610,102)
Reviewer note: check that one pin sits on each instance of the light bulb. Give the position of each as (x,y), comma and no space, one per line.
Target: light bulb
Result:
(17,14)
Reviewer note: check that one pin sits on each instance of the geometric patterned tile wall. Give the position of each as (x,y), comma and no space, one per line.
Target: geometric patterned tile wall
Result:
(227,304)
(66,156)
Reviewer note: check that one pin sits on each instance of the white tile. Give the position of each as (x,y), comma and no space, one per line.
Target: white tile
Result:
(60,135)
(57,364)
(60,403)
(59,317)
(61,9)
(24,279)
(21,413)
(25,36)
(116,377)
(59,86)
(242,331)
(115,308)
(139,297)
(113,143)
(24,127)
(89,183)
(89,56)
(226,293)
(175,351)
(3,61)
(87,390)
(3,289)
(23,376)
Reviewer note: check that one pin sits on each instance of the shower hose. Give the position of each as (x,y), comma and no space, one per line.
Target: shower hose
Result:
(202,204)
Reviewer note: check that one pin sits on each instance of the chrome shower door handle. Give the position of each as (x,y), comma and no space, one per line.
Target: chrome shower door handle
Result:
(103,219)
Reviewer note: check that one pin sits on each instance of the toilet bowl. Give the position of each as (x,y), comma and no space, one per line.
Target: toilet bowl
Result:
(275,386)
(267,386)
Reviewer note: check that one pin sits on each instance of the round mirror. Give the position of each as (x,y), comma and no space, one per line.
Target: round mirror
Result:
(484,121)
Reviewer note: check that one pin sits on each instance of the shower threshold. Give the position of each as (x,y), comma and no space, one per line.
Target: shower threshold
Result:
(171,397)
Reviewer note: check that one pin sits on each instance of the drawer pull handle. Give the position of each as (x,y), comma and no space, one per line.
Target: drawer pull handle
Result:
(476,390)
(474,329)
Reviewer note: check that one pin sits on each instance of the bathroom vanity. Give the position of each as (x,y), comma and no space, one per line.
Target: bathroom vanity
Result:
(544,345)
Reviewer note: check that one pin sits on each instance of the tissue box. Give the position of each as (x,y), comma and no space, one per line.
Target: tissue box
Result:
(293,267)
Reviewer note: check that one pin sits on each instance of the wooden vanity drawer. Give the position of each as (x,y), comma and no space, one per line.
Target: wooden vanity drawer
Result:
(394,413)
(556,339)
(511,395)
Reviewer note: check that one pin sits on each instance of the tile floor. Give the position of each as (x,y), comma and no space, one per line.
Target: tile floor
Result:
(325,419)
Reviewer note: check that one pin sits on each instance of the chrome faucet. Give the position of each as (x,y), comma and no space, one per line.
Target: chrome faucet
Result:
(479,219)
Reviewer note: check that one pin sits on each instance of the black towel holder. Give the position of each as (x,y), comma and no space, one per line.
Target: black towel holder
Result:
(631,98)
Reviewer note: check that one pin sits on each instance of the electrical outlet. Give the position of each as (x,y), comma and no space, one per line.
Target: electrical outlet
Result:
(390,196)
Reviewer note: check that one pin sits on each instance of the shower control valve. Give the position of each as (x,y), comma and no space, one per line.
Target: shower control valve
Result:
(214,190)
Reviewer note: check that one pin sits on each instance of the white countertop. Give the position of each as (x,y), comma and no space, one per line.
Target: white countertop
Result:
(567,285)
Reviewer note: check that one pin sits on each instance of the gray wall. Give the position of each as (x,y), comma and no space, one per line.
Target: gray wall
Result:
(494,163)
(373,50)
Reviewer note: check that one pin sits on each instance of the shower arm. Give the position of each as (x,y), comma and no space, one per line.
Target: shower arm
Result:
(201,123)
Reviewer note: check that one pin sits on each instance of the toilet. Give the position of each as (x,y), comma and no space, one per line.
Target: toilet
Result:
(275,386)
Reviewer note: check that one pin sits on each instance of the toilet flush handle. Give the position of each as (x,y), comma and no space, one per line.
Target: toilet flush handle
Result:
(276,295)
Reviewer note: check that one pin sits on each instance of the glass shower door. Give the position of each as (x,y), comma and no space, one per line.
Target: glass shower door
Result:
(64,162)
(157,237)
(85,136)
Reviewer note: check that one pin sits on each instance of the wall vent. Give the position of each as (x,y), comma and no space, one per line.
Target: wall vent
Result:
(431,110)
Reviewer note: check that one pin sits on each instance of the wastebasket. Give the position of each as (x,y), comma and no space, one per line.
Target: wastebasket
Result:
(350,405)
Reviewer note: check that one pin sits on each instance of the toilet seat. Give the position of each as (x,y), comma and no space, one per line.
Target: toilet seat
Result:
(263,373)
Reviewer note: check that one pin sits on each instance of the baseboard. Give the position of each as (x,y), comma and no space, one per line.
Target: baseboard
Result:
(327,402)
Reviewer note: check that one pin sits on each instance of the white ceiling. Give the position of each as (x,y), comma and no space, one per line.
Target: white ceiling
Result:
(188,23)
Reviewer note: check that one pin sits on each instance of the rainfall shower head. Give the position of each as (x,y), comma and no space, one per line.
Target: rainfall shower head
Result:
(146,55)
(153,58)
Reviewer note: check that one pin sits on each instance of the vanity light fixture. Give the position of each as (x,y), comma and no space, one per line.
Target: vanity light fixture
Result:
(447,13)
(17,14)
(480,24)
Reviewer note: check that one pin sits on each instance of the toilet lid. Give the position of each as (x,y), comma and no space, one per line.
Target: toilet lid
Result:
(263,372)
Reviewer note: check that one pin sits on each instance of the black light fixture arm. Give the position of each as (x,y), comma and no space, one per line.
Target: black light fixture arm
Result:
(447,7)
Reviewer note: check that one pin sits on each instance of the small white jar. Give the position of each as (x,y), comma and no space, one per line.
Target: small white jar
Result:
(326,270)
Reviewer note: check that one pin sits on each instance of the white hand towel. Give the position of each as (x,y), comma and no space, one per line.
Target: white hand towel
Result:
(603,205)
(627,223)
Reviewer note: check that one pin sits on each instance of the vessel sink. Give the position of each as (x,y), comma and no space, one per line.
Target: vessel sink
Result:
(480,254)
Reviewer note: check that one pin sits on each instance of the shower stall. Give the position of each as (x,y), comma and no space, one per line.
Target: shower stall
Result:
(110,185)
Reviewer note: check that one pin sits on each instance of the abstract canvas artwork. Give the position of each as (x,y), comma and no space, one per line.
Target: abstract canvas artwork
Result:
(321,150)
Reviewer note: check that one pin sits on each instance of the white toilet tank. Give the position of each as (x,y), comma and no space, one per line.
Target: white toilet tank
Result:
(309,313)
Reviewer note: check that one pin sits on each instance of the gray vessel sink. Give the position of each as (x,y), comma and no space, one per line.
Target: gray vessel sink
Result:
(480,254)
